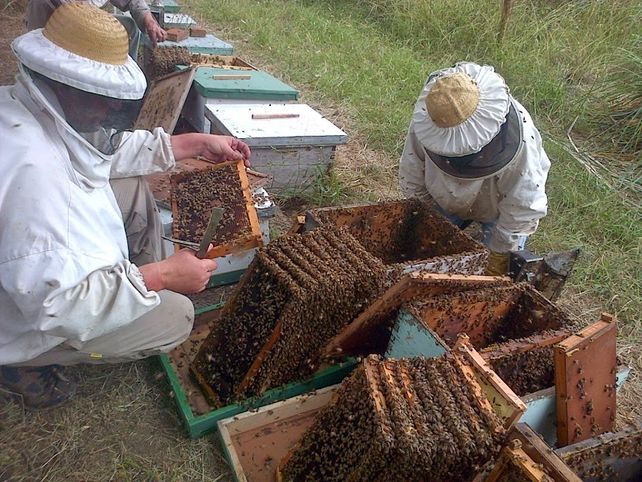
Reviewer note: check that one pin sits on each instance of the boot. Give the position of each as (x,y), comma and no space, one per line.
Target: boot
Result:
(37,387)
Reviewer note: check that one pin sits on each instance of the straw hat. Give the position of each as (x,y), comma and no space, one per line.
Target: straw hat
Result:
(84,47)
(461,109)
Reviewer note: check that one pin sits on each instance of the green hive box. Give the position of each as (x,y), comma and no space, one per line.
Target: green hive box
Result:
(171,6)
(198,425)
(253,86)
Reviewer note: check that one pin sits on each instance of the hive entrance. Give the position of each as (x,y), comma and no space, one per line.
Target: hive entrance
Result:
(298,293)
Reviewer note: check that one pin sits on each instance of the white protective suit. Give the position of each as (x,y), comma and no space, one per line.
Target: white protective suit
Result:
(513,198)
(64,269)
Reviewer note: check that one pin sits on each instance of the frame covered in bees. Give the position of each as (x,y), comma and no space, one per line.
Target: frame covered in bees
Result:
(299,292)
(195,193)
(610,456)
(413,419)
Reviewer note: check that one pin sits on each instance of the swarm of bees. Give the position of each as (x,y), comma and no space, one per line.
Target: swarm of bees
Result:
(298,293)
(398,420)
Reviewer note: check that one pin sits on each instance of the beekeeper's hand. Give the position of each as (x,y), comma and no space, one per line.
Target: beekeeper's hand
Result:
(181,272)
(153,30)
(211,147)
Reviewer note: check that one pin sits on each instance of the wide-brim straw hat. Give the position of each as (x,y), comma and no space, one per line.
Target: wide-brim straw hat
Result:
(461,109)
(86,48)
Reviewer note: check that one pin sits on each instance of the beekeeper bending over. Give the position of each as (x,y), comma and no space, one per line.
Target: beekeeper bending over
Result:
(82,276)
(474,152)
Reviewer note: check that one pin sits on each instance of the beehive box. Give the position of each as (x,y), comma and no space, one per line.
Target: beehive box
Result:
(406,235)
(610,456)
(230,62)
(177,20)
(292,143)
(254,442)
(217,85)
(405,420)
(299,291)
(209,45)
(199,416)
(370,332)
(171,6)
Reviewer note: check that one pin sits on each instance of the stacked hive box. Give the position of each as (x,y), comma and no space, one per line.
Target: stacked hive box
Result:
(298,293)
(399,420)
(514,327)
(407,236)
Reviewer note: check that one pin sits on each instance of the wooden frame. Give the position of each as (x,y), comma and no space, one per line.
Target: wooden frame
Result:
(586,400)
(535,447)
(508,406)
(410,286)
(224,61)
(609,456)
(254,238)
(163,102)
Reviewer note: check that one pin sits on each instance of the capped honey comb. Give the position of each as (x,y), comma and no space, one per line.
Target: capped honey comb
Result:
(398,420)
(299,292)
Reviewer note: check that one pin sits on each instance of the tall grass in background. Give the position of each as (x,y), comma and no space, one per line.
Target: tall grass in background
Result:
(370,58)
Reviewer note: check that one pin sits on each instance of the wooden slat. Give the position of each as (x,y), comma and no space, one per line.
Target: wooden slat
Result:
(514,461)
(514,347)
(505,403)
(542,454)
(585,373)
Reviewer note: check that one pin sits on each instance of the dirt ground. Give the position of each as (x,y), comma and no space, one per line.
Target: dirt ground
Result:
(123,424)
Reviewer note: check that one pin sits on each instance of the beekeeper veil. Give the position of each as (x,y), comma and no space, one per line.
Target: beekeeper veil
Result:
(79,63)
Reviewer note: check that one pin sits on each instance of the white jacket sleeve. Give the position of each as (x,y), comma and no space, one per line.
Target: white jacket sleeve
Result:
(412,169)
(521,187)
(143,152)
(105,300)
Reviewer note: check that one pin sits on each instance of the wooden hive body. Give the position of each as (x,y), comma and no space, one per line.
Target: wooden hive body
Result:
(400,420)
(407,236)
(299,292)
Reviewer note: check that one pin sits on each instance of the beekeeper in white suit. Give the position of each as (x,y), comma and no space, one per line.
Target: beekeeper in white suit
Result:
(69,290)
(141,19)
(473,151)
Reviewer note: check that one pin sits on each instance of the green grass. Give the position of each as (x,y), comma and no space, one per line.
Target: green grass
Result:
(372,57)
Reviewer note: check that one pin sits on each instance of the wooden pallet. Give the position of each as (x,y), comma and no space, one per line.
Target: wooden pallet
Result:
(585,373)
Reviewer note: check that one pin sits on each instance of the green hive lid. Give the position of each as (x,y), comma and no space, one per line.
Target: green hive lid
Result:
(202,45)
(253,85)
(171,6)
